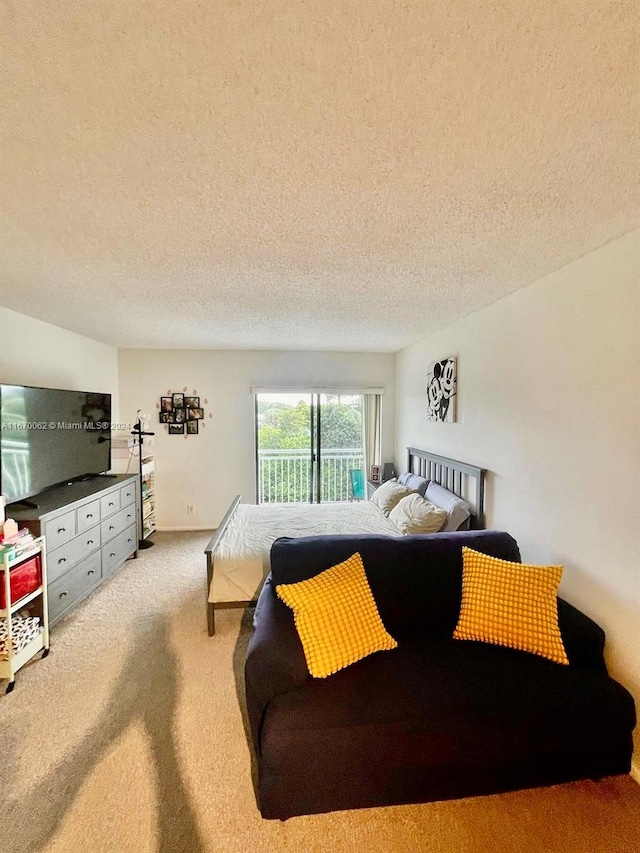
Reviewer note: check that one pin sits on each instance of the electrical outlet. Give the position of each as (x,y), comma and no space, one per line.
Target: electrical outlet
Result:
(191,510)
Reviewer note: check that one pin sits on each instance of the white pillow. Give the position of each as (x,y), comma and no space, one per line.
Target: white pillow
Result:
(458,511)
(388,494)
(413,514)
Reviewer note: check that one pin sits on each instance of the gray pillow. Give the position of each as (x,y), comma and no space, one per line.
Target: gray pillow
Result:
(414,482)
(458,511)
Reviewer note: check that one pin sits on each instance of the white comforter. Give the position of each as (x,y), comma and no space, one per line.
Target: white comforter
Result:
(241,561)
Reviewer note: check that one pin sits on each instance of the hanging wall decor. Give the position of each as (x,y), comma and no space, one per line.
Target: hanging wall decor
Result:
(441,391)
(182,413)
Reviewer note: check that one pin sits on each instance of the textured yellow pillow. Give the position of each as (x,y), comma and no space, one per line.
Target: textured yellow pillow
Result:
(336,617)
(413,514)
(510,604)
(388,494)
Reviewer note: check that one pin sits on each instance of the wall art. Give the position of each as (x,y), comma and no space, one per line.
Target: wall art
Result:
(182,412)
(442,382)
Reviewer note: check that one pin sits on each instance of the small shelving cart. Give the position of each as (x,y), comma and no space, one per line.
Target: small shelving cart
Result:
(148,496)
(23,636)
(129,453)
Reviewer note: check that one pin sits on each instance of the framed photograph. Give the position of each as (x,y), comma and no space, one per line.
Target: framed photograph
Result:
(375,473)
(192,427)
(195,414)
(167,417)
(192,402)
(176,429)
(179,415)
(178,400)
(166,404)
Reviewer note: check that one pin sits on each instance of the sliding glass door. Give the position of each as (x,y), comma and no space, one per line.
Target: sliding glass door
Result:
(306,446)
(339,443)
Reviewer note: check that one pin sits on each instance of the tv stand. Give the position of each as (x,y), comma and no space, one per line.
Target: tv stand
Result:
(90,478)
(91,529)
(25,504)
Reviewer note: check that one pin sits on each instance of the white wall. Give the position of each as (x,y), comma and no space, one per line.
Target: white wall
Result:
(549,403)
(207,470)
(37,353)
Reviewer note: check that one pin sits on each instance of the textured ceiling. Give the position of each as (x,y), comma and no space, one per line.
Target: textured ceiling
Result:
(297,174)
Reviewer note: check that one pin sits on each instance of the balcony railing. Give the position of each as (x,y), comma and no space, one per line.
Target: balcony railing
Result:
(284,476)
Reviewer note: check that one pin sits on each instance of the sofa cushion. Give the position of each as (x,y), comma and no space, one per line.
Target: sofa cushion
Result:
(468,704)
(416,581)
(510,604)
(336,617)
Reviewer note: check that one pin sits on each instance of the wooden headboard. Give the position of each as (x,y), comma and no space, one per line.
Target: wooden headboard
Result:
(465,481)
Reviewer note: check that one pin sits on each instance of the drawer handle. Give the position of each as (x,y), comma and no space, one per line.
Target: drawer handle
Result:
(90,572)
(62,560)
(111,527)
(90,542)
(63,594)
(112,554)
(62,530)
(129,515)
(129,540)
(111,503)
(89,515)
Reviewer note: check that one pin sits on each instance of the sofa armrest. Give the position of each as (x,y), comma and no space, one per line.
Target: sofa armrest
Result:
(583,639)
(275,662)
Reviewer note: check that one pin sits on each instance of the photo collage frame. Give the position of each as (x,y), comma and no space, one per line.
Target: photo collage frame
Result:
(181,413)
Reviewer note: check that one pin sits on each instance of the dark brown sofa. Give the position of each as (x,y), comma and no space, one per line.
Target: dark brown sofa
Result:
(435,718)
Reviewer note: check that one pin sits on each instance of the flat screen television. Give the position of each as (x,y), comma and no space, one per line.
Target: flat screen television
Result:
(49,437)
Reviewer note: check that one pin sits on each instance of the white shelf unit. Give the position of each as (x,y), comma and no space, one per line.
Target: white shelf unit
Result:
(125,459)
(148,492)
(10,562)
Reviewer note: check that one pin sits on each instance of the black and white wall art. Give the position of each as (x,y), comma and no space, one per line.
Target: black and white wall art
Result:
(442,379)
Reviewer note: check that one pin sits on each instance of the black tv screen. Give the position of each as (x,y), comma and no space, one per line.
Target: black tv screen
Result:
(48,437)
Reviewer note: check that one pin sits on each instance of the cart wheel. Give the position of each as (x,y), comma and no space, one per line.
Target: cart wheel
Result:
(10,686)
(45,653)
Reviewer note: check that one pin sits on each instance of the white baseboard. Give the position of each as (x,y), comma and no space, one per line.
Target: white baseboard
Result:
(635,771)
(184,529)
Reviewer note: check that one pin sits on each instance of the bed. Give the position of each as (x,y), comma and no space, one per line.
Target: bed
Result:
(238,553)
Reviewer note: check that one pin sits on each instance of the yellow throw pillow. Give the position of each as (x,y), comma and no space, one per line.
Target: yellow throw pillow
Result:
(336,617)
(510,604)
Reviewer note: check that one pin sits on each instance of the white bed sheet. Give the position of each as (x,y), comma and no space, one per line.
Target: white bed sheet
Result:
(241,561)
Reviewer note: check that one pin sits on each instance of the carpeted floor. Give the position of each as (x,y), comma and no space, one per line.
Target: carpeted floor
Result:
(130,737)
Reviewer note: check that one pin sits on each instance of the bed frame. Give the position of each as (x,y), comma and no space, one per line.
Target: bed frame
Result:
(466,481)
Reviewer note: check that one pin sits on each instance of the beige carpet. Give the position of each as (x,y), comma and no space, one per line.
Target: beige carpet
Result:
(130,737)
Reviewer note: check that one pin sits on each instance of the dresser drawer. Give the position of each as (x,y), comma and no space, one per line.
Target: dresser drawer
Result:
(60,529)
(118,549)
(128,494)
(117,523)
(110,503)
(62,559)
(87,516)
(73,585)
